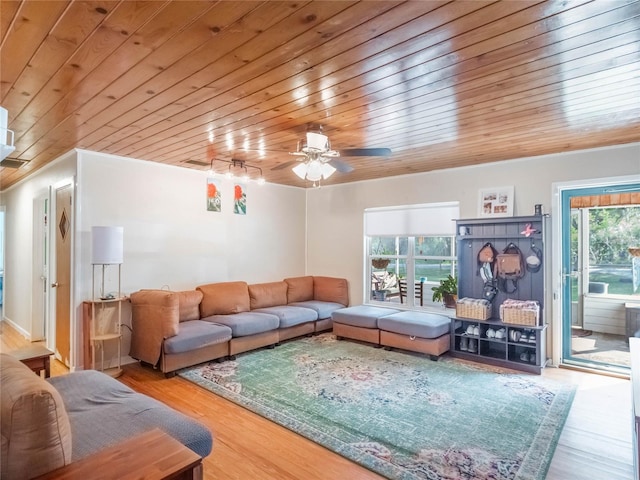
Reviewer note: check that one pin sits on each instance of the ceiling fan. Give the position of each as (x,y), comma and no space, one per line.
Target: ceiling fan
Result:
(316,160)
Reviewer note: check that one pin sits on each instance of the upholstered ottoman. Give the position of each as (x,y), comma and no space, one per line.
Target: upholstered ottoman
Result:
(416,331)
(360,322)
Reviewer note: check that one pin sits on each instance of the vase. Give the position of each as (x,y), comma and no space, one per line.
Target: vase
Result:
(449,300)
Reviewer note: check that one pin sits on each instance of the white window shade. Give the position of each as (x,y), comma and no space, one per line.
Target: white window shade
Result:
(412,220)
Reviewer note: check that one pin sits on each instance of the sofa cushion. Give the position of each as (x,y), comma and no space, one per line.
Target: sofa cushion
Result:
(224,298)
(323,309)
(189,303)
(104,412)
(35,428)
(264,295)
(290,315)
(416,324)
(329,289)
(196,334)
(246,323)
(299,289)
(364,316)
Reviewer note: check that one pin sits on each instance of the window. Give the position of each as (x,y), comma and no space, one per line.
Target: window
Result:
(415,244)
(426,260)
(609,232)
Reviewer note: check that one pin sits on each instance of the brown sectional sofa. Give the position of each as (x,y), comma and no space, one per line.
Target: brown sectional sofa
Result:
(173,330)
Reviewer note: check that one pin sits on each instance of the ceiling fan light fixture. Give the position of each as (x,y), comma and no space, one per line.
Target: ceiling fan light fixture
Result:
(313,170)
(317,142)
(300,170)
(327,170)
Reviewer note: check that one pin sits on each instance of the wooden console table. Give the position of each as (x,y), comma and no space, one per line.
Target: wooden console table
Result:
(150,456)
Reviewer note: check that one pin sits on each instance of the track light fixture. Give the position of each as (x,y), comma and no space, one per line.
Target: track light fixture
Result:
(236,165)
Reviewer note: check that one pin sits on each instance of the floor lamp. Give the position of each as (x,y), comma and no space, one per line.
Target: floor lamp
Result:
(107,248)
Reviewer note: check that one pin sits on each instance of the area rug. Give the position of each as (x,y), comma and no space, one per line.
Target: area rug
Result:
(399,414)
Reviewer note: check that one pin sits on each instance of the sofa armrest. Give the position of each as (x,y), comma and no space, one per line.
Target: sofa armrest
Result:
(36,432)
(155,315)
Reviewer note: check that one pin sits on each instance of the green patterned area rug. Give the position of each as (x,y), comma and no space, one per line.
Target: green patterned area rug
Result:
(398,414)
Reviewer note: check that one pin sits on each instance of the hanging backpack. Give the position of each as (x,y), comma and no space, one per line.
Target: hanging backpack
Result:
(510,267)
(487,256)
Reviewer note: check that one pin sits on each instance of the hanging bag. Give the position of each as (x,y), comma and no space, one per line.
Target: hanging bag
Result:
(510,268)
(486,263)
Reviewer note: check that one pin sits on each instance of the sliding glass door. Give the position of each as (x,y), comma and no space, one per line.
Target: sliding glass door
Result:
(599,225)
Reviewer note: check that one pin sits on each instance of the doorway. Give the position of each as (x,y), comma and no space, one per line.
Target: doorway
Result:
(61,272)
(598,225)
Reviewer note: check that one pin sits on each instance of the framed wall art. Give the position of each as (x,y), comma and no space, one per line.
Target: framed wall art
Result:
(496,202)
(214,201)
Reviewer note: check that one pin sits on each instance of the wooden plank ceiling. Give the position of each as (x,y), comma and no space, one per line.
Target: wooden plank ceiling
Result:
(442,84)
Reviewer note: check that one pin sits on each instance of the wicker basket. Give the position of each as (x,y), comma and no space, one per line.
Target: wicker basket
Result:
(472,308)
(520,312)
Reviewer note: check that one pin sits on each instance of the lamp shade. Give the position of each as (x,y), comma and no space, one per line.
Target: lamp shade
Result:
(107,245)
(316,142)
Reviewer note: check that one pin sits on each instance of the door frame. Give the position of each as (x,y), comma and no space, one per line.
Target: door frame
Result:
(561,211)
(51,306)
(40,267)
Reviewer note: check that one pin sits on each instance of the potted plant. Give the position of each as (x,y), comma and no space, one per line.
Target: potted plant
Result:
(383,282)
(446,292)
(380,263)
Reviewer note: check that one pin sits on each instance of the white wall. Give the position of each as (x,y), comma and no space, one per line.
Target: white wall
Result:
(335,213)
(18,272)
(170,239)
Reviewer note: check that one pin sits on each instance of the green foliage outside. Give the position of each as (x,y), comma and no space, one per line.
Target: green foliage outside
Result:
(611,232)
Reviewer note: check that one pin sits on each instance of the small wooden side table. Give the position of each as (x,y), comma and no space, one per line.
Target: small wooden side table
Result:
(36,357)
(150,456)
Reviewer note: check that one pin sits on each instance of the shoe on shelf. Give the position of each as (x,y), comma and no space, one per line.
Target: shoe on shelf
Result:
(473,345)
(501,334)
(470,330)
(524,356)
(532,357)
(491,333)
(524,338)
(476,330)
(532,337)
(515,335)
(464,344)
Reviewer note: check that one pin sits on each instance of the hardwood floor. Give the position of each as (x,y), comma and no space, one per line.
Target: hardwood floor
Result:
(595,442)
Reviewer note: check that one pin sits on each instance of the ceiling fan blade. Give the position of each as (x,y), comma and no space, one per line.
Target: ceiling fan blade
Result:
(340,166)
(365,152)
(285,165)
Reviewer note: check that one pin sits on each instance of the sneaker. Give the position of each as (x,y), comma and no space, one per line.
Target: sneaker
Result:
(491,333)
(476,330)
(532,357)
(524,338)
(532,337)
(515,335)
(472,346)
(500,334)
(464,344)
(470,330)
(524,356)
